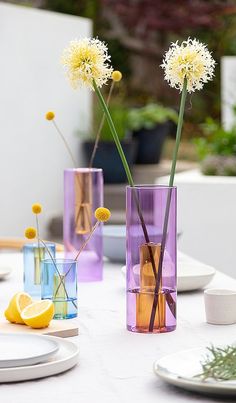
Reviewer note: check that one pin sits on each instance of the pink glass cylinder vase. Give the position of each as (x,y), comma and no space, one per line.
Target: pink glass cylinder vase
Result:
(83,194)
(151,274)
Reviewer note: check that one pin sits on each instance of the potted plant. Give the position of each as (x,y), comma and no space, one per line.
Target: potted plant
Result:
(107,156)
(150,126)
(217,149)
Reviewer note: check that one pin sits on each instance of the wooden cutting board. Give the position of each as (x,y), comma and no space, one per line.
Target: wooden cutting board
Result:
(59,328)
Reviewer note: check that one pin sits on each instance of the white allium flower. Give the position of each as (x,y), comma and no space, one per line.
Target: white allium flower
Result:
(190,59)
(86,60)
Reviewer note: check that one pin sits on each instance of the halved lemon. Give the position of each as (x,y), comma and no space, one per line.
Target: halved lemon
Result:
(38,314)
(16,305)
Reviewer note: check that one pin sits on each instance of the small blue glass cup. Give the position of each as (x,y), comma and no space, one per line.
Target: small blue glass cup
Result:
(59,284)
(33,255)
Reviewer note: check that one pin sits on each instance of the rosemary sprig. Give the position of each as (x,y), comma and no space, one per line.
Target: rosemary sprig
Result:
(220,364)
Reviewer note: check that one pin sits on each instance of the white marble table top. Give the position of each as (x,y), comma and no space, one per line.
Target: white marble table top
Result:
(116,365)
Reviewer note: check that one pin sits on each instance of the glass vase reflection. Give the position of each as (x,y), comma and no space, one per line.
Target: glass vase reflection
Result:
(33,254)
(83,194)
(151,275)
(59,284)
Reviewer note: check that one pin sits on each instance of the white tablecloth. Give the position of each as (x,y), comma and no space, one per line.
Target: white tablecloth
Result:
(116,365)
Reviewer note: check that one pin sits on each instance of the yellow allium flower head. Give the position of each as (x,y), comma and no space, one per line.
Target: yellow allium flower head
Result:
(102,214)
(36,208)
(50,115)
(191,60)
(87,60)
(116,75)
(30,233)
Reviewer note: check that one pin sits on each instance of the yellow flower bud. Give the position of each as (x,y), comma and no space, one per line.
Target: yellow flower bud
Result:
(30,233)
(50,115)
(36,208)
(102,214)
(116,75)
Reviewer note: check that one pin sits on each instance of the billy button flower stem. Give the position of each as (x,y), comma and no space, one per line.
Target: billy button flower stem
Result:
(37,209)
(102,214)
(50,115)
(31,233)
(80,250)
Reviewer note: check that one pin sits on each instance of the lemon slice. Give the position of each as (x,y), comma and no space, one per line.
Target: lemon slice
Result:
(16,305)
(38,314)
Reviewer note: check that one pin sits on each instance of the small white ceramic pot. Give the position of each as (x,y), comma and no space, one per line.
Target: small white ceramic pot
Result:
(220,306)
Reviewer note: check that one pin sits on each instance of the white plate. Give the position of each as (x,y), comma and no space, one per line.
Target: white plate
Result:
(191,275)
(114,242)
(180,368)
(25,349)
(4,271)
(64,359)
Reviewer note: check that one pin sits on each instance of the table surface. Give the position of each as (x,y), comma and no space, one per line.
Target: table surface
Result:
(115,365)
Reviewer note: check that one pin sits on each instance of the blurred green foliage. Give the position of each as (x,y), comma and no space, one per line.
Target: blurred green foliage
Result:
(119,114)
(84,8)
(220,38)
(217,140)
(149,116)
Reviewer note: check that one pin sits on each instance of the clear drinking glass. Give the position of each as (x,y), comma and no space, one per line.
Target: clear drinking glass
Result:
(59,284)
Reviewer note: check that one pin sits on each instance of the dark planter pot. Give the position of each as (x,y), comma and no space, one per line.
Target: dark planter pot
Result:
(107,158)
(150,143)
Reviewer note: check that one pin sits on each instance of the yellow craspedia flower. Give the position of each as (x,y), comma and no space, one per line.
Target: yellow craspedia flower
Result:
(50,115)
(87,60)
(102,214)
(36,208)
(30,233)
(116,75)
(191,60)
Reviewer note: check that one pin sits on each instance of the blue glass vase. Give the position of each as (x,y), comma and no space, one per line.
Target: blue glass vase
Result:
(33,256)
(59,284)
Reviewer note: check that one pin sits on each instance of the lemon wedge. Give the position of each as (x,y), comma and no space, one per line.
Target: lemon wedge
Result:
(38,314)
(16,305)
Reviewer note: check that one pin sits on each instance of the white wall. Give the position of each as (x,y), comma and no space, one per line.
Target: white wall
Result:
(228,90)
(32,81)
(207,218)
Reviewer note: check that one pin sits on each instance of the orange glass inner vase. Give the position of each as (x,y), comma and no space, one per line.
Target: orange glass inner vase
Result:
(145,297)
(83,203)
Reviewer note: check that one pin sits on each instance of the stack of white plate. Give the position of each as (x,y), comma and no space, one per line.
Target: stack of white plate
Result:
(30,356)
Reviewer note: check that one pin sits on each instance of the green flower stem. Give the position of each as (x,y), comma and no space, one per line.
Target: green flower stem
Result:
(100,127)
(167,212)
(128,173)
(114,134)
(178,133)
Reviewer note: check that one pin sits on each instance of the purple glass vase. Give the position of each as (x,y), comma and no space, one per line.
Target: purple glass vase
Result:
(83,194)
(151,274)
